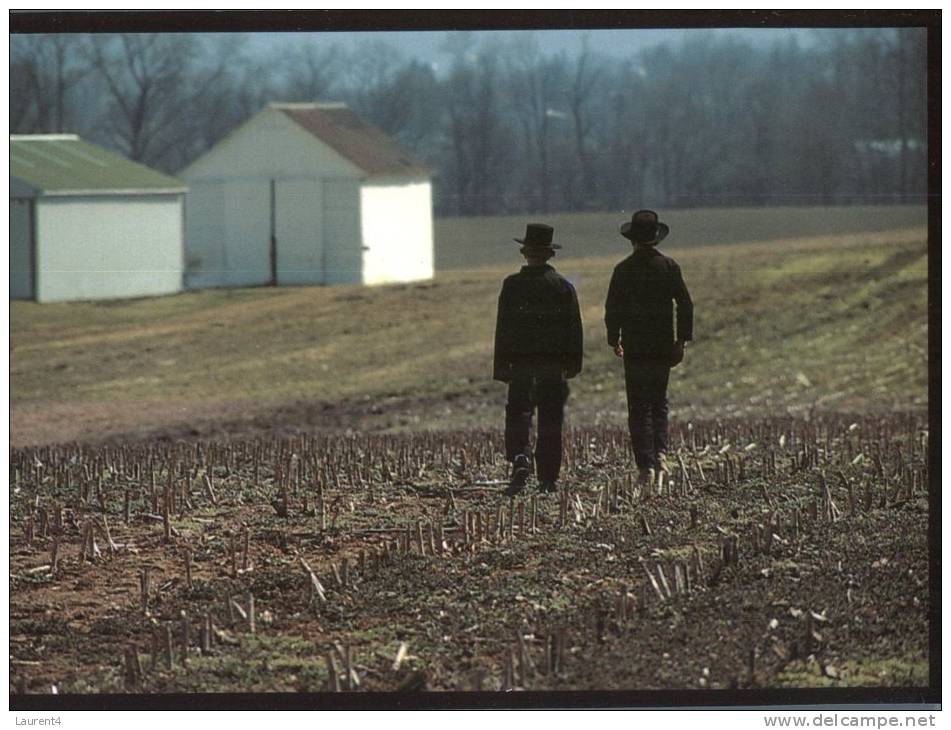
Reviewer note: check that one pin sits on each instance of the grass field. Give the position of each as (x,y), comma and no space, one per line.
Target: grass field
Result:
(831,321)
(467,242)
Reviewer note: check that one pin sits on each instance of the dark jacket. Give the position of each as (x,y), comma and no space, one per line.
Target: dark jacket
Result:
(639,307)
(539,322)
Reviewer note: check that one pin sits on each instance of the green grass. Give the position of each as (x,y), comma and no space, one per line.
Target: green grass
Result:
(260,663)
(836,321)
(910,671)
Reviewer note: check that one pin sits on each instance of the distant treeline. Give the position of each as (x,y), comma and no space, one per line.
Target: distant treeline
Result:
(836,118)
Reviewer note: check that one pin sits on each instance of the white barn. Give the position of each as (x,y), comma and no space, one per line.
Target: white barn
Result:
(86,223)
(307,194)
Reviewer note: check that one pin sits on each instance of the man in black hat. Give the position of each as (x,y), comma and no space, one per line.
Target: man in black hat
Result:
(538,346)
(639,315)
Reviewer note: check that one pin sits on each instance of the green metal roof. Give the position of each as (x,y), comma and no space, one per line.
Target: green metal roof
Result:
(63,164)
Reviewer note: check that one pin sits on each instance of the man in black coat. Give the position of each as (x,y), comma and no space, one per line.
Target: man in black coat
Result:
(639,314)
(538,346)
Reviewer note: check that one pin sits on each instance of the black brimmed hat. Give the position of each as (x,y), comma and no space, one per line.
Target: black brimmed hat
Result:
(645,228)
(537,235)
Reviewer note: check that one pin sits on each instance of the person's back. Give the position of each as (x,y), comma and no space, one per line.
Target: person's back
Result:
(639,317)
(538,346)
(641,303)
(535,318)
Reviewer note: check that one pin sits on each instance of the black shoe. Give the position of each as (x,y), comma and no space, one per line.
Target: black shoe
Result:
(513,490)
(521,468)
(547,487)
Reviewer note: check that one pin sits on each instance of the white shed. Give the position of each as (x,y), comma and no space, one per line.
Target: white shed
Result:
(307,194)
(86,223)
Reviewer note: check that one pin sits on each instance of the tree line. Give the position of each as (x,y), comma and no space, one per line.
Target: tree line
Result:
(835,117)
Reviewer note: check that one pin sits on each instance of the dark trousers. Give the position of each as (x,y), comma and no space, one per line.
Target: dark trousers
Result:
(542,387)
(646,382)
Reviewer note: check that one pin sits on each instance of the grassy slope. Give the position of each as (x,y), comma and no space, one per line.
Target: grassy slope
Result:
(838,321)
(468,242)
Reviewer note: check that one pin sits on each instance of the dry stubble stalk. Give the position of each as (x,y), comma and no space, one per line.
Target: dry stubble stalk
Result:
(332,676)
(348,667)
(663,580)
(133,668)
(166,522)
(144,586)
(169,653)
(645,526)
(156,648)
(185,638)
(209,487)
(54,557)
(205,645)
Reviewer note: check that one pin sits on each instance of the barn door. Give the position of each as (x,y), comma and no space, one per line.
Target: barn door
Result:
(245,218)
(297,240)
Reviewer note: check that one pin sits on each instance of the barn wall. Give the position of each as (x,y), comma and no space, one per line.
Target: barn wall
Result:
(229,232)
(103,247)
(21,265)
(397,225)
(269,145)
(21,189)
(205,250)
(229,208)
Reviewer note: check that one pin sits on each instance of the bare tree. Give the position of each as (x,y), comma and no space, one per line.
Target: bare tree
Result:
(534,86)
(44,69)
(368,73)
(247,84)
(909,61)
(582,104)
(154,83)
(311,71)
(24,115)
(476,133)
(715,120)
(625,139)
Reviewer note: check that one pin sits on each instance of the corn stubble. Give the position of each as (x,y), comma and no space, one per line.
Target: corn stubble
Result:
(205,530)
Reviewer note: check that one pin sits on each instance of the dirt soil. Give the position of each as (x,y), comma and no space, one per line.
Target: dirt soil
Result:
(168,420)
(783,552)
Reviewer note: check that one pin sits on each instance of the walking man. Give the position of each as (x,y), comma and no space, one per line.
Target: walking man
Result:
(639,315)
(538,346)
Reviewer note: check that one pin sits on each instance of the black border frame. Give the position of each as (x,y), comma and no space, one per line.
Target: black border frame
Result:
(912,699)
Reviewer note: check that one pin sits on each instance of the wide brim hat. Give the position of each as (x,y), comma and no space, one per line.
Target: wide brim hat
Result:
(538,235)
(645,228)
